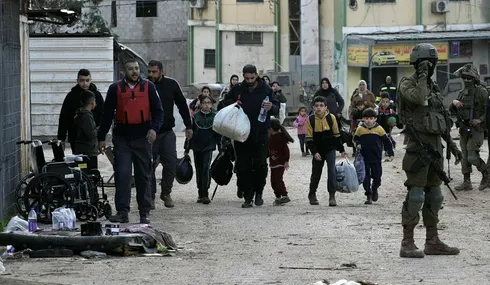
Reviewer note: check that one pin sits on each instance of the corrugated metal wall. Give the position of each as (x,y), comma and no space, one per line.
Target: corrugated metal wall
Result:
(54,63)
(10,90)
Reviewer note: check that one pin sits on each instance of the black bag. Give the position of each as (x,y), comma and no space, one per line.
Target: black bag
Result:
(184,171)
(222,168)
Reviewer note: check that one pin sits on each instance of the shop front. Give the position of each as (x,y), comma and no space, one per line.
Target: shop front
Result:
(374,57)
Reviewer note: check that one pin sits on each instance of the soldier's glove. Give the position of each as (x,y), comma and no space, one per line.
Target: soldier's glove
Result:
(457,154)
(423,69)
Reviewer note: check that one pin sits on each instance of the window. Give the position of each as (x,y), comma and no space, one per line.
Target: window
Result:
(461,48)
(248,38)
(209,58)
(146,8)
(380,1)
(113,14)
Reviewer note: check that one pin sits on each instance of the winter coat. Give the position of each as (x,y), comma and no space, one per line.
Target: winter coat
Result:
(300,124)
(86,130)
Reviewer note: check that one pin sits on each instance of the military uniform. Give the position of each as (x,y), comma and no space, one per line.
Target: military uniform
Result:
(420,106)
(471,135)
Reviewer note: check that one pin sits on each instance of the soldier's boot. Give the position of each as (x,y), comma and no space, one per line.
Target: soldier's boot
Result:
(331,200)
(466,185)
(434,246)
(485,180)
(408,248)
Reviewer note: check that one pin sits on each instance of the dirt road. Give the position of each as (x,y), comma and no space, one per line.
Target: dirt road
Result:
(293,244)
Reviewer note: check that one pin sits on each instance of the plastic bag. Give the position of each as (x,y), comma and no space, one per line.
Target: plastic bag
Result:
(360,167)
(62,218)
(346,177)
(17,224)
(282,113)
(232,122)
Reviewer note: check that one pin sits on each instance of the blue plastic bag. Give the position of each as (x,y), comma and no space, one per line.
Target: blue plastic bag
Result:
(346,177)
(360,167)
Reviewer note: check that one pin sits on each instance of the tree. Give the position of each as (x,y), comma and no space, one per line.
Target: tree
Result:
(90,17)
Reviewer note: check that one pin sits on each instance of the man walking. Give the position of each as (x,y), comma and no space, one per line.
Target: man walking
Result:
(135,107)
(389,87)
(422,111)
(165,144)
(251,155)
(72,103)
(470,111)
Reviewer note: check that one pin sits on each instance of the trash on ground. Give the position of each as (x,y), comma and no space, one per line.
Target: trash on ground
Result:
(93,254)
(17,224)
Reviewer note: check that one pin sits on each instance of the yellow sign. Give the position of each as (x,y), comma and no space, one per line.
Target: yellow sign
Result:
(386,55)
(357,55)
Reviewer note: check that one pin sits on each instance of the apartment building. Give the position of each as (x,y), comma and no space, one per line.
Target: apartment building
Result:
(153,29)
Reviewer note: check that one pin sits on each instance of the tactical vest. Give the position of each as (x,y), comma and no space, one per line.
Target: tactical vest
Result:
(431,119)
(132,105)
(467,113)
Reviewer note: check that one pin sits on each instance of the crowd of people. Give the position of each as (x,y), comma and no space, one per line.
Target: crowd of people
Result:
(141,113)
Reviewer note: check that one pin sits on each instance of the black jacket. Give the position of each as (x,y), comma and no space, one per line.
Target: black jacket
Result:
(70,106)
(203,137)
(251,102)
(335,102)
(170,94)
(86,133)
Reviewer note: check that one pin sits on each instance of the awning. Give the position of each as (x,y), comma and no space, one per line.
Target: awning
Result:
(372,39)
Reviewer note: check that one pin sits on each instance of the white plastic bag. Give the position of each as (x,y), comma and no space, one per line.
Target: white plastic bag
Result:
(179,122)
(232,123)
(346,176)
(282,113)
(17,224)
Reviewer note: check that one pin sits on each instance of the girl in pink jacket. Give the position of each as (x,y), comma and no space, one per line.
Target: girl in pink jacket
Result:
(300,124)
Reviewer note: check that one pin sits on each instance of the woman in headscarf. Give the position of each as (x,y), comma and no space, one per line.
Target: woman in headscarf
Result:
(233,81)
(362,93)
(335,102)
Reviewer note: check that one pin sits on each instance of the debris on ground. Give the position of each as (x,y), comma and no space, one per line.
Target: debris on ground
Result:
(93,254)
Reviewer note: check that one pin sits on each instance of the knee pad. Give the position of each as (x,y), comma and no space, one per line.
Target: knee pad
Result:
(473,158)
(436,197)
(416,195)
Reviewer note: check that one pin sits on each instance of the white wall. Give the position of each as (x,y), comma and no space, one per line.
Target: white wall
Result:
(54,64)
(204,38)
(235,57)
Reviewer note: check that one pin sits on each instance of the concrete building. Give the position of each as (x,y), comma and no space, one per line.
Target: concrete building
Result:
(153,29)
(345,41)
(378,36)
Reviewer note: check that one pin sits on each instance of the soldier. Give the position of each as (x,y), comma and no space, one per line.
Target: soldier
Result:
(420,107)
(470,110)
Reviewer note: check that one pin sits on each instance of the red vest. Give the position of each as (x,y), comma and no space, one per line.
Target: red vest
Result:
(133,105)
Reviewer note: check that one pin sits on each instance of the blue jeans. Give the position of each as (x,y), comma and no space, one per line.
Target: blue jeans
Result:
(317,169)
(126,153)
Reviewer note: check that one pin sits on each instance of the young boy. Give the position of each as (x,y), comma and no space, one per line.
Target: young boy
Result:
(370,138)
(386,116)
(323,139)
(356,118)
(86,135)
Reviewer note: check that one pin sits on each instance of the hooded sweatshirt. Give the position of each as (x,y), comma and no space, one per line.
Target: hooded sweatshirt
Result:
(86,133)
(300,123)
(70,106)
(335,102)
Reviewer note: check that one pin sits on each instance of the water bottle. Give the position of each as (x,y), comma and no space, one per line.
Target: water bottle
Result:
(32,221)
(263,112)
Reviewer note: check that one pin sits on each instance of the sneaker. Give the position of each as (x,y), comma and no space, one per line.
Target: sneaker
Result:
(277,202)
(258,200)
(144,218)
(304,154)
(119,218)
(247,204)
(369,201)
(284,200)
(313,199)
(206,200)
(200,200)
(375,195)
(167,200)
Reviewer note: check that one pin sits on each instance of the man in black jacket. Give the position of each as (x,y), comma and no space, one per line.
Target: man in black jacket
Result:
(251,155)
(165,145)
(72,103)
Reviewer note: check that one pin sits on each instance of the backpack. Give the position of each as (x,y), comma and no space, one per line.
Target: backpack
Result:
(346,137)
(222,168)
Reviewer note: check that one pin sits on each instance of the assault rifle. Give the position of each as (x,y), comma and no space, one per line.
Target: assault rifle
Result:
(429,156)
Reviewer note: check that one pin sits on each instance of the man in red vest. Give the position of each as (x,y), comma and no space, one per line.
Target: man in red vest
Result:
(134,106)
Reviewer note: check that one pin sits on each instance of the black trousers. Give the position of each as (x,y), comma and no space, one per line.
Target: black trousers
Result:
(202,162)
(251,167)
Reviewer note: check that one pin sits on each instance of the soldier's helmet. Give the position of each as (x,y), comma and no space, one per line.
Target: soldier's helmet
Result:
(423,51)
(469,70)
